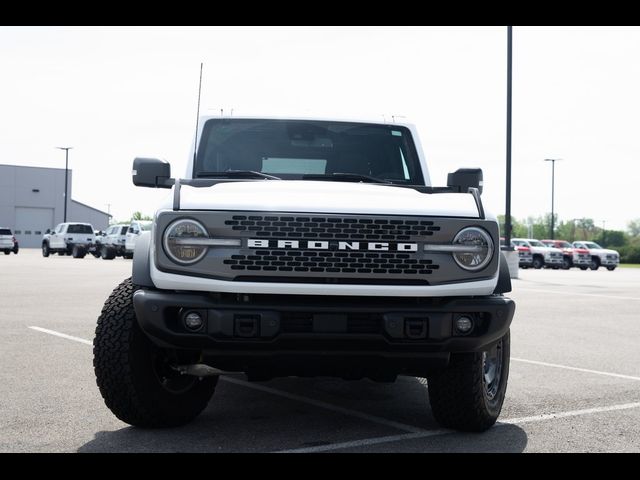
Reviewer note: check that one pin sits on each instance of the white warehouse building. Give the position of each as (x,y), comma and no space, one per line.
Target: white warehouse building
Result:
(32,200)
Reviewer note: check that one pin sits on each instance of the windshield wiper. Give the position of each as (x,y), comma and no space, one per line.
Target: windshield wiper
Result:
(237,174)
(344,177)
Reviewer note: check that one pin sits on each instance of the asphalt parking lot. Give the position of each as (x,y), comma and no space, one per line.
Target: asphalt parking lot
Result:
(574,384)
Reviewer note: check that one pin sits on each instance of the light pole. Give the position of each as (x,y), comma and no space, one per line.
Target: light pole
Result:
(507,213)
(66,176)
(553,175)
(603,230)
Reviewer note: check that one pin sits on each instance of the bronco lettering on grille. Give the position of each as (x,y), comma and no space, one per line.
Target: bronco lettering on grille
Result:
(331,245)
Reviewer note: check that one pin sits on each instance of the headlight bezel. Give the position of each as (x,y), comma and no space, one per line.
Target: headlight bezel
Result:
(171,227)
(489,245)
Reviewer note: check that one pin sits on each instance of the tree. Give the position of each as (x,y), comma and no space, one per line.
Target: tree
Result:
(140,216)
(613,238)
(586,228)
(634,227)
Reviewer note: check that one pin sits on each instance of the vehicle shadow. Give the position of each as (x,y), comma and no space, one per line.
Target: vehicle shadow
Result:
(241,418)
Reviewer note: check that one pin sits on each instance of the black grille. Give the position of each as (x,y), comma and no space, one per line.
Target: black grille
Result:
(319,228)
(331,262)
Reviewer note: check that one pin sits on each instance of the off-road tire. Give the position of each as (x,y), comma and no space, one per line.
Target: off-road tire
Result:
(566,263)
(45,249)
(611,268)
(78,252)
(16,249)
(458,394)
(595,263)
(7,252)
(583,268)
(127,256)
(123,360)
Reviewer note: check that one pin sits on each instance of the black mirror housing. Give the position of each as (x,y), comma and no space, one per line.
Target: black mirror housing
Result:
(151,172)
(464,178)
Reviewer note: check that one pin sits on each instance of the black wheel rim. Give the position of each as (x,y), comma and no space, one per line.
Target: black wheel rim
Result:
(492,370)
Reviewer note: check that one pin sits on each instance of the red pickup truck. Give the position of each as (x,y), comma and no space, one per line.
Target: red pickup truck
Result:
(571,256)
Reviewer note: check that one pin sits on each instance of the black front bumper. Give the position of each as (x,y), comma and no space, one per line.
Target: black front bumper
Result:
(263,326)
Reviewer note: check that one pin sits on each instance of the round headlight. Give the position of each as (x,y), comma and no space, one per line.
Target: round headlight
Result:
(478,248)
(179,244)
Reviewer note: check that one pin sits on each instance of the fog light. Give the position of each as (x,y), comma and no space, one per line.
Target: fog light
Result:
(193,321)
(464,324)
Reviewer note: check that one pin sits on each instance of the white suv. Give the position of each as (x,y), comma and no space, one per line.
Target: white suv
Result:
(308,247)
(600,256)
(543,256)
(8,242)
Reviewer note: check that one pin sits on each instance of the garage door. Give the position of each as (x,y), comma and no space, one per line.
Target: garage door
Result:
(31,223)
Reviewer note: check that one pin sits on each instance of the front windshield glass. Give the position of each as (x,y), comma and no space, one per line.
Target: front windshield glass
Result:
(290,149)
(145,226)
(591,245)
(536,243)
(565,245)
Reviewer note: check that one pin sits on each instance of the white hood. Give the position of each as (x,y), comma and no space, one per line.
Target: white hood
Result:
(325,197)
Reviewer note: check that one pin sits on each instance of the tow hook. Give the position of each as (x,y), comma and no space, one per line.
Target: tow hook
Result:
(201,370)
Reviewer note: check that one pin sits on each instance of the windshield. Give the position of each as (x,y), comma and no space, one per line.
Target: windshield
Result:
(290,149)
(565,245)
(5,231)
(536,243)
(145,226)
(123,230)
(591,245)
(80,229)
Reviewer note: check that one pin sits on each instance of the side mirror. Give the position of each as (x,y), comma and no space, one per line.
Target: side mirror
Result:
(151,172)
(48,231)
(463,178)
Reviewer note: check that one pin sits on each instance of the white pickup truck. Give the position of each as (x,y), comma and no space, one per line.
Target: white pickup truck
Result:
(304,247)
(600,256)
(543,255)
(136,228)
(71,238)
(112,243)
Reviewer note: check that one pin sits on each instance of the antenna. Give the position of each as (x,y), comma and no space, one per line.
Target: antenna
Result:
(195,146)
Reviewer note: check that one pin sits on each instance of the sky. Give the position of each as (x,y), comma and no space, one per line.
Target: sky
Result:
(117,93)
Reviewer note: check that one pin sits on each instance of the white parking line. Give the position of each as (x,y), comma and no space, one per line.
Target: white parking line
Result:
(366,442)
(431,433)
(327,406)
(577,369)
(565,293)
(570,413)
(62,335)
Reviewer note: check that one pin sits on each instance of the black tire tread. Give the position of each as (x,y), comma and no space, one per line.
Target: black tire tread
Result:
(117,335)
